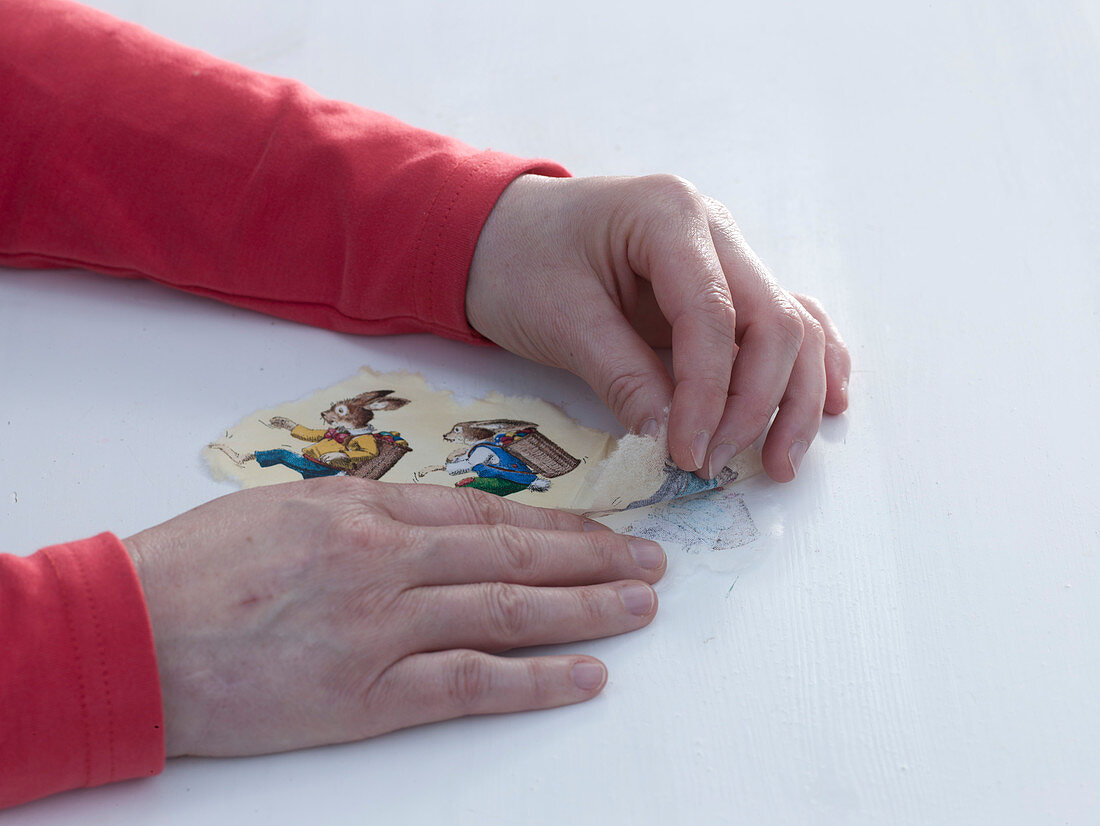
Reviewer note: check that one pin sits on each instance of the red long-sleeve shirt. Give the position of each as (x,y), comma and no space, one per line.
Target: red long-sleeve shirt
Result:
(128,154)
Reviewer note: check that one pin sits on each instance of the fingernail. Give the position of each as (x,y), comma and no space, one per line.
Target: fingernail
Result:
(699,448)
(588,675)
(637,599)
(651,429)
(593,525)
(719,458)
(646,553)
(795,454)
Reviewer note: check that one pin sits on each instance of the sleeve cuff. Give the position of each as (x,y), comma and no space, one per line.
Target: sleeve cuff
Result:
(81,691)
(451,229)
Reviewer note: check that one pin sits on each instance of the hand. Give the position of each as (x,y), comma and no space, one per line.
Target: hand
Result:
(281,422)
(591,274)
(336,609)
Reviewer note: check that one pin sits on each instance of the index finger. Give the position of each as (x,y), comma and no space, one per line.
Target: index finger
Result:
(680,260)
(770,340)
(433,505)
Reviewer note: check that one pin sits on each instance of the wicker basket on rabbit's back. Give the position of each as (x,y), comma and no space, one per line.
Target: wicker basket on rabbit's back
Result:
(390,453)
(521,439)
(544,456)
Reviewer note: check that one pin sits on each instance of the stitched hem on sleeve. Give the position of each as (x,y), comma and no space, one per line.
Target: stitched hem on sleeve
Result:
(114,658)
(452,225)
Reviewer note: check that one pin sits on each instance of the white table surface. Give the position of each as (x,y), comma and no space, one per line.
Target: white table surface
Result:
(915,638)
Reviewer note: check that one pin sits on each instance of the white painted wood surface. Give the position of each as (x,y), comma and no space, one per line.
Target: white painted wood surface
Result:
(916,636)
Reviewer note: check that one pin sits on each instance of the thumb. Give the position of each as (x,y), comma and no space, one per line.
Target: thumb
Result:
(625,372)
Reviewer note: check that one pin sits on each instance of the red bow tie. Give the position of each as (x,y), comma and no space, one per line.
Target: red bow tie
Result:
(340,435)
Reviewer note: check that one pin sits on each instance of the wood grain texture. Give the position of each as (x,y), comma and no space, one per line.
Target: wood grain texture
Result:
(916,636)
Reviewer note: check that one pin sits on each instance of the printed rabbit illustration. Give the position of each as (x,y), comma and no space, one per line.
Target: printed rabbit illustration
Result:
(504,456)
(348,445)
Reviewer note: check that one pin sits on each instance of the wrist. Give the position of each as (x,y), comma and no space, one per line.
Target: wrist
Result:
(509,245)
(148,553)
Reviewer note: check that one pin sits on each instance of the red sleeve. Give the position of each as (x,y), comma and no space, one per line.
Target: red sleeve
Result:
(79,691)
(128,154)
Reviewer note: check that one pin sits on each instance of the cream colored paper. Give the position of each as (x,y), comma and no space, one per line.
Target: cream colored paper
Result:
(396,428)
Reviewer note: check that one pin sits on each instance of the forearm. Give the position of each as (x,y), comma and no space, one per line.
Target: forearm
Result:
(128,154)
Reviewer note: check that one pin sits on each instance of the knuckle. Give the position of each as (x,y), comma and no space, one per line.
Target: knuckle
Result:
(485,508)
(839,353)
(519,549)
(714,297)
(590,606)
(758,416)
(356,488)
(716,309)
(814,334)
(710,387)
(812,305)
(609,551)
(508,610)
(721,217)
(671,193)
(469,682)
(340,490)
(626,391)
(672,184)
(358,528)
(538,683)
(343,680)
(790,326)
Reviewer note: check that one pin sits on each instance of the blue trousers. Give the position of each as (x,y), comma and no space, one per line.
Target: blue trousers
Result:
(294,461)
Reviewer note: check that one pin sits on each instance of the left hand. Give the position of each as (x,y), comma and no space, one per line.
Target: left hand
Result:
(591,274)
(335,609)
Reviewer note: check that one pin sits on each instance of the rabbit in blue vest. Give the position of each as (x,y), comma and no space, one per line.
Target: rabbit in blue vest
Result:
(494,468)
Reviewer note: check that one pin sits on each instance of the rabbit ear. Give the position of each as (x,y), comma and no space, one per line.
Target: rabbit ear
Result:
(387,404)
(366,399)
(497,425)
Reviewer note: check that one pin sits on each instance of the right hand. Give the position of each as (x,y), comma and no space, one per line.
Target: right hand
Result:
(592,274)
(336,609)
(281,422)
